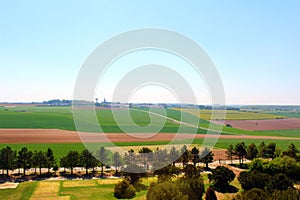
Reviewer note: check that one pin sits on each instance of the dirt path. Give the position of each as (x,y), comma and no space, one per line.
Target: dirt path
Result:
(10,136)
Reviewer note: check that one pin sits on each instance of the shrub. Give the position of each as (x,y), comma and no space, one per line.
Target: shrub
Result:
(290,194)
(123,190)
(279,182)
(253,179)
(165,190)
(286,165)
(256,165)
(253,194)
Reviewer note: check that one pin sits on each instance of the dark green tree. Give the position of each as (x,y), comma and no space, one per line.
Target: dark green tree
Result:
(290,194)
(185,156)
(130,157)
(252,151)
(50,159)
(63,163)
(25,159)
(230,152)
(195,155)
(167,173)
(174,155)
(191,184)
(88,160)
(257,165)
(117,161)
(254,179)
(206,156)
(286,165)
(221,178)
(271,149)
(7,159)
(240,151)
(102,156)
(292,151)
(279,182)
(160,159)
(40,160)
(253,194)
(262,150)
(146,154)
(72,160)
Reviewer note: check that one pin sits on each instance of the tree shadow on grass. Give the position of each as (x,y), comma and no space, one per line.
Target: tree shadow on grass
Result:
(226,189)
(140,186)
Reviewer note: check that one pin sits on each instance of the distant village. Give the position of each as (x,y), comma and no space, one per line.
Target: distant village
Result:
(107,104)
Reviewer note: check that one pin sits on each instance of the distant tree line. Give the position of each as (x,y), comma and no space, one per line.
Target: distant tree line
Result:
(250,152)
(58,102)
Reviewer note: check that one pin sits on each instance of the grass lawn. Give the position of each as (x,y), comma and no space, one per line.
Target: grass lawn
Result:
(23,191)
(101,189)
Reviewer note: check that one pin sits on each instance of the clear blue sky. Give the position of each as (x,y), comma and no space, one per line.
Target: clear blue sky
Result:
(255,45)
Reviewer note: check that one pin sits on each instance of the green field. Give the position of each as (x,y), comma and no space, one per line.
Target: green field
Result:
(289,114)
(230,114)
(67,189)
(101,189)
(62,118)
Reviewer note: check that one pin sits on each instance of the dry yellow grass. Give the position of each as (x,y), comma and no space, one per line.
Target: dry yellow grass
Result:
(51,198)
(108,181)
(47,190)
(79,183)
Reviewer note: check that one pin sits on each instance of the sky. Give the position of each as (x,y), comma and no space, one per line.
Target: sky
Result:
(255,46)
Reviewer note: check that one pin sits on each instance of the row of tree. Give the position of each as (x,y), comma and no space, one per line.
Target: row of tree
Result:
(262,151)
(145,157)
(11,159)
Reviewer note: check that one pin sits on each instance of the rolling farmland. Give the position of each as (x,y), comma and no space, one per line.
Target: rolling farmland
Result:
(39,128)
(230,115)
(54,118)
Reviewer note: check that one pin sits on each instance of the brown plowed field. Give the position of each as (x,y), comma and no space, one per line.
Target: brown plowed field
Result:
(9,136)
(266,124)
